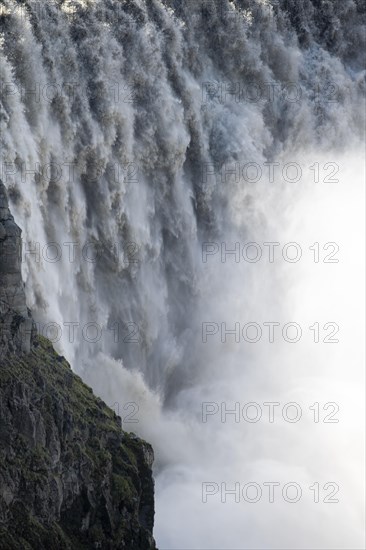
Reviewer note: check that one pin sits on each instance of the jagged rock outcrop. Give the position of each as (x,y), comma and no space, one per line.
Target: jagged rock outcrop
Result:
(16,326)
(70,478)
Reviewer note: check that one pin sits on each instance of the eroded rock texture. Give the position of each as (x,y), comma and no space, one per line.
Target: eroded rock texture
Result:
(69,477)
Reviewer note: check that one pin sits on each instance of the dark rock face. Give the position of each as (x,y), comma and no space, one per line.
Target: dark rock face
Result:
(16,326)
(70,478)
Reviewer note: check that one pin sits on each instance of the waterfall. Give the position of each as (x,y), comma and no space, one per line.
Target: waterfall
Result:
(152,152)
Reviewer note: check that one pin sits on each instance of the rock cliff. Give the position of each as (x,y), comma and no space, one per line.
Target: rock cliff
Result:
(70,478)
(16,326)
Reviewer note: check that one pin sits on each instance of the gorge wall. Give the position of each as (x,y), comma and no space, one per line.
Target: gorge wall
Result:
(69,476)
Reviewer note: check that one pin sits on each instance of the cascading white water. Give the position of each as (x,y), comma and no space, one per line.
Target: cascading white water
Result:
(124,125)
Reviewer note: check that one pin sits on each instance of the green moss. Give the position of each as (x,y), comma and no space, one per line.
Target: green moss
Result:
(123,487)
(29,533)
